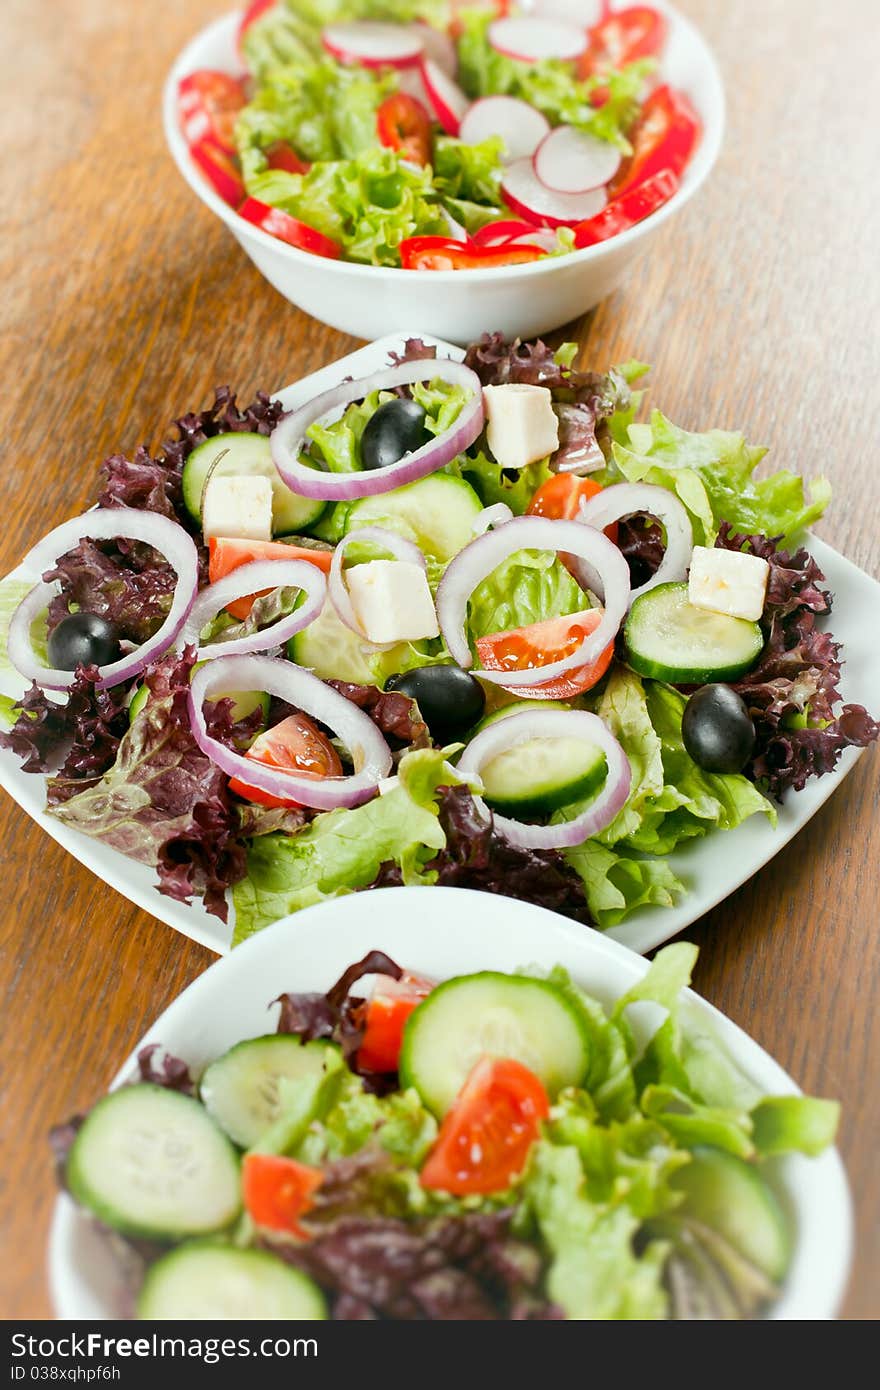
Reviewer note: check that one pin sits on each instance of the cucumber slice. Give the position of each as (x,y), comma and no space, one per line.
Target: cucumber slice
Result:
(438,513)
(669,639)
(494,1015)
(334,652)
(243,705)
(730,1196)
(246,455)
(537,777)
(518,707)
(240,1089)
(208,1282)
(151,1162)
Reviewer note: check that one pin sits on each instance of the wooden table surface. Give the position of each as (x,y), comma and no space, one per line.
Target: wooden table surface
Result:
(124,302)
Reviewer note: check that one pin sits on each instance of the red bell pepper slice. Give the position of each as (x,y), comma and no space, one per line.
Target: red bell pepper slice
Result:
(623,37)
(664,138)
(442,253)
(628,209)
(280,224)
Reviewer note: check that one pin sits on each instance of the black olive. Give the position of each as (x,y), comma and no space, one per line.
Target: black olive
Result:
(717,730)
(397,429)
(83,639)
(450,700)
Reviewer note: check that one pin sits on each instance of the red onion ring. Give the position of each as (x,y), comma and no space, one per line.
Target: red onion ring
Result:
(300,688)
(517,729)
(497,515)
(255,578)
(105,524)
(400,548)
(477,561)
(289,437)
(629,499)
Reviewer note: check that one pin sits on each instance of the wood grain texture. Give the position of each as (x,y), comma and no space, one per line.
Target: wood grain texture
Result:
(124,302)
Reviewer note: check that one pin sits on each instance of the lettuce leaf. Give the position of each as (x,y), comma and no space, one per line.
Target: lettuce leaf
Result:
(495,484)
(713,475)
(529,587)
(617,883)
(344,850)
(595,1272)
(369,204)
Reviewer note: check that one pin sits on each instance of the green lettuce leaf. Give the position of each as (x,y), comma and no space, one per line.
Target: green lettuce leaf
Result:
(469,174)
(494,484)
(343,850)
(713,475)
(529,587)
(617,883)
(368,204)
(595,1272)
(795,1124)
(12,591)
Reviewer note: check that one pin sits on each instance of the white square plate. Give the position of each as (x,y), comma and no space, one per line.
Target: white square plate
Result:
(712,867)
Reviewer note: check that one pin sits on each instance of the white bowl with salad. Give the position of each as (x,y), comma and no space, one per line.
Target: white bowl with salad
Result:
(491,1115)
(444,164)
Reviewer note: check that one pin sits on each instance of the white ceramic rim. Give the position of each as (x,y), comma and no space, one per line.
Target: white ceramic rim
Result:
(823,1249)
(695,176)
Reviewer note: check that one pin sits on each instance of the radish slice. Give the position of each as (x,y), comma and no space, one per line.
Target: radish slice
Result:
(521,126)
(446,97)
(574,161)
(584,13)
(410,81)
(537,203)
(373,45)
(438,46)
(531,40)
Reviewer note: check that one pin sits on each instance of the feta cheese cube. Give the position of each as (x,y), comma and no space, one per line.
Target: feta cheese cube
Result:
(238,507)
(522,427)
(728,581)
(392,601)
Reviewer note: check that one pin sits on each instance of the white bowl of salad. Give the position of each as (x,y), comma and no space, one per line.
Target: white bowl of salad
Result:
(365,156)
(455,1114)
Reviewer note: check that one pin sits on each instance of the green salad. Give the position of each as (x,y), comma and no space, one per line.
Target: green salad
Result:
(498,1146)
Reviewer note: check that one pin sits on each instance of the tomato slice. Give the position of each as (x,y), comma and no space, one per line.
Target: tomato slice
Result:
(560,499)
(277,1191)
(294,745)
(286,228)
(220,169)
(540,644)
(225,555)
(282,155)
(442,253)
(485,1139)
(404,124)
(663,140)
(254,11)
(387,1011)
(621,38)
(208,104)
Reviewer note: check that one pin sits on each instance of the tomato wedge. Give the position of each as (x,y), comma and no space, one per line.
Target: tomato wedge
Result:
(442,253)
(282,155)
(485,1139)
(220,169)
(208,104)
(286,228)
(628,209)
(663,140)
(622,37)
(254,11)
(294,745)
(386,1013)
(226,555)
(560,499)
(539,644)
(404,124)
(277,1191)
